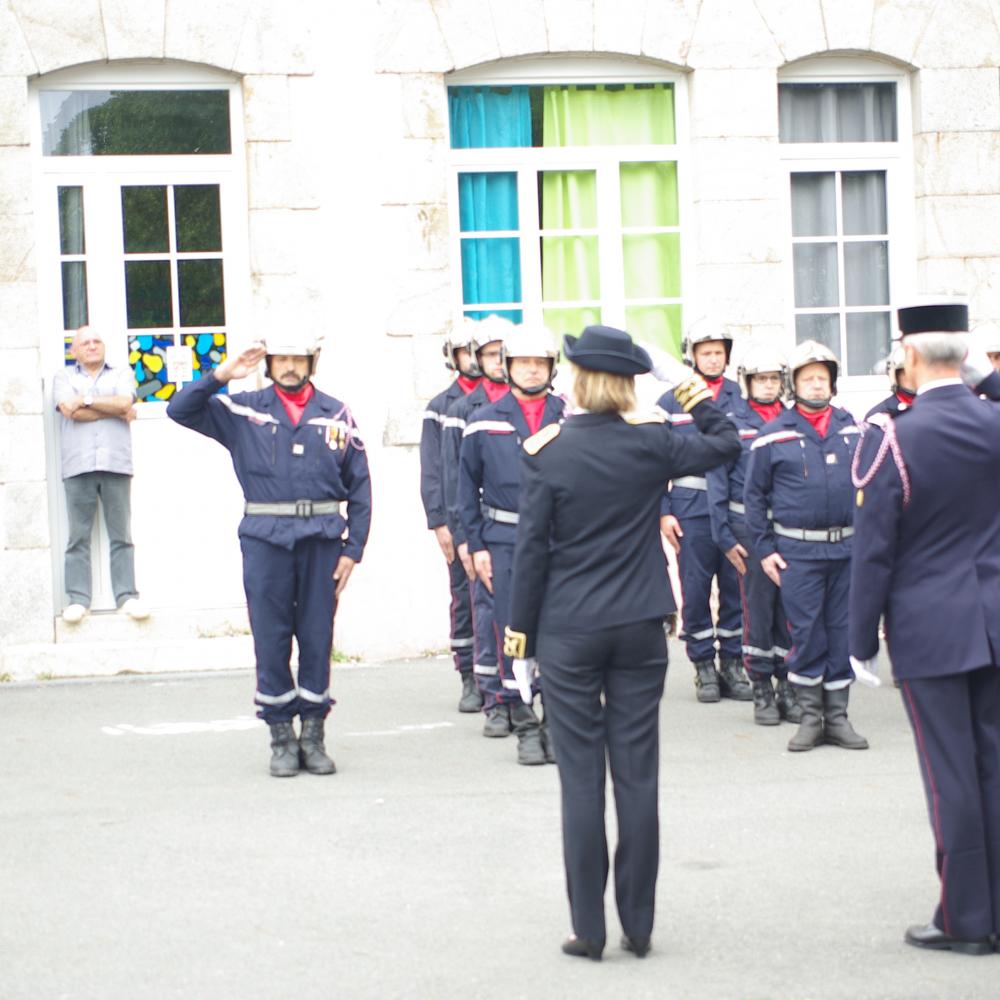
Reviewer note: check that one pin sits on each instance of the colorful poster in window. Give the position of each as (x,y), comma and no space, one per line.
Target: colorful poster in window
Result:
(147,354)
(209,350)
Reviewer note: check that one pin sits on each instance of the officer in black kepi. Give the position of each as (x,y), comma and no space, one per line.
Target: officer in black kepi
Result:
(300,460)
(460,359)
(902,390)
(590,594)
(927,558)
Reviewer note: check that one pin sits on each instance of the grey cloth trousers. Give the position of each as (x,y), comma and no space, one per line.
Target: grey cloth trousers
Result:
(82,492)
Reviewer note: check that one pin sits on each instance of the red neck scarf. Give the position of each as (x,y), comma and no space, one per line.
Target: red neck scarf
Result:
(532,410)
(295,402)
(715,384)
(905,396)
(767,411)
(820,419)
(494,390)
(467,384)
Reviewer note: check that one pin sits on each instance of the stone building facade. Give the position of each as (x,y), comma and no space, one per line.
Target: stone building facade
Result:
(340,214)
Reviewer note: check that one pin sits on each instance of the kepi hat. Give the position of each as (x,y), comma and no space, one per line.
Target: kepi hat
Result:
(606,349)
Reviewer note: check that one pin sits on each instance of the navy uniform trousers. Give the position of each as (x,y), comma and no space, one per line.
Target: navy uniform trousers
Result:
(956,727)
(271,573)
(460,616)
(626,664)
(486,653)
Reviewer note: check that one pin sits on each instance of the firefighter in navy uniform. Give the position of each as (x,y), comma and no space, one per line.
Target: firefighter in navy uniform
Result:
(487,346)
(927,557)
(488,489)
(800,468)
(591,592)
(459,358)
(685,523)
(299,459)
(902,390)
(762,374)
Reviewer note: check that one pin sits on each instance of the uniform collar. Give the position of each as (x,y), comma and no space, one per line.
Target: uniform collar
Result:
(938,383)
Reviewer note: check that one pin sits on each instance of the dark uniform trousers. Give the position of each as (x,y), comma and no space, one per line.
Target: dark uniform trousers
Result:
(956,727)
(271,573)
(460,616)
(486,651)
(814,594)
(626,664)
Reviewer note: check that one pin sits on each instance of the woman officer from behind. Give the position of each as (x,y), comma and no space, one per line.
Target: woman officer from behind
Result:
(590,594)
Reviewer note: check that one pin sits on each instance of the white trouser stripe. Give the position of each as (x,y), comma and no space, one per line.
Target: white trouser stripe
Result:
(708,633)
(510,684)
(837,685)
(729,633)
(313,696)
(809,682)
(780,651)
(275,699)
(478,668)
(461,643)
(757,651)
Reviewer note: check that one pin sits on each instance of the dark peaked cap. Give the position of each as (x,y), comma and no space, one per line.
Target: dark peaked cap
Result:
(605,349)
(939,317)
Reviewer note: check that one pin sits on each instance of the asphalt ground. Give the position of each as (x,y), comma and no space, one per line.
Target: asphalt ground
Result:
(145,852)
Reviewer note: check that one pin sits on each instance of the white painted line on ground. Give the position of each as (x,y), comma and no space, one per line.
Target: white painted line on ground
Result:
(238,724)
(403,729)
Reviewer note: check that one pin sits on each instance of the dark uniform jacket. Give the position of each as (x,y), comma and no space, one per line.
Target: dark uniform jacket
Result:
(692,501)
(806,480)
(891,404)
(322,458)
(588,553)
(490,467)
(932,565)
(431,486)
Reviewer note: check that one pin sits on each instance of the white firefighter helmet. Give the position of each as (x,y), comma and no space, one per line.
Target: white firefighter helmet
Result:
(701,332)
(463,336)
(810,352)
(758,359)
(894,365)
(490,329)
(294,345)
(530,341)
(987,336)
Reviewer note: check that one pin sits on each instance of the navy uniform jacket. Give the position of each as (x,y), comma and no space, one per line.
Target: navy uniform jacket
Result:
(322,458)
(932,567)
(725,482)
(588,553)
(891,404)
(490,468)
(431,487)
(683,501)
(805,480)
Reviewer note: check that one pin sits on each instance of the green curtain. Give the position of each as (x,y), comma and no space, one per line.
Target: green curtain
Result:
(600,115)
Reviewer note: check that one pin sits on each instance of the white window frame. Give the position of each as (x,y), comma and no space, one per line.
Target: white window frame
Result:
(526,162)
(895,158)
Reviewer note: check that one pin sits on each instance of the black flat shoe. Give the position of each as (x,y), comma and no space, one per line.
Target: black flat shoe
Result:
(931,937)
(582,948)
(638,946)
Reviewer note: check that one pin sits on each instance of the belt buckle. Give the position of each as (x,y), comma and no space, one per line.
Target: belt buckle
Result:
(303,508)
(835,535)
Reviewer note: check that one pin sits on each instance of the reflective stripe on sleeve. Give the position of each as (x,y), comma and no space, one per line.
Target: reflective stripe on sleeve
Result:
(488,425)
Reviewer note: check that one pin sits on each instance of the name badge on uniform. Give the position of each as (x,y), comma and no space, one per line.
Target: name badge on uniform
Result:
(298,449)
(831,459)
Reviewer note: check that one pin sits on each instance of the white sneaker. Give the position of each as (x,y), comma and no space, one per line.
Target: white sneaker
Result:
(135,609)
(73,614)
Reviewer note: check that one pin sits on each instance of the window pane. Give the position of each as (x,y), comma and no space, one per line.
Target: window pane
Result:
(866,274)
(814,205)
(652,266)
(491,270)
(560,321)
(815,274)
(837,112)
(144,219)
(656,325)
(868,343)
(147,294)
(570,268)
(200,293)
(133,122)
(492,117)
(148,357)
(487,202)
(568,199)
(863,193)
(649,194)
(71,236)
(196,216)
(514,315)
(74,294)
(824,327)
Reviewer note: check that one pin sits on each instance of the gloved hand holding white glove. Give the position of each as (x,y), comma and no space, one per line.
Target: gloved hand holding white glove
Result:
(977,364)
(525,671)
(666,368)
(866,671)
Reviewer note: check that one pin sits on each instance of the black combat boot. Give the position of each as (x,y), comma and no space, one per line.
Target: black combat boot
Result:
(497,722)
(810,731)
(788,707)
(311,748)
(733,681)
(527,728)
(706,680)
(765,711)
(284,750)
(838,728)
(472,699)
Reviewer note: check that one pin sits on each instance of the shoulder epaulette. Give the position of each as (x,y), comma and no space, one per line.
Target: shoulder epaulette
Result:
(538,441)
(654,417)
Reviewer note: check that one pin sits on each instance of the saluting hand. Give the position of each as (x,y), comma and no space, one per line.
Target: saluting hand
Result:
(670,528)
(737,556)
(484,568)
(772,565)
(242,365)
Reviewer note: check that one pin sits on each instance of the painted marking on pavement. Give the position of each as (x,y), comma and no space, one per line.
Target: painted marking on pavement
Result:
(182,728)
(403,729)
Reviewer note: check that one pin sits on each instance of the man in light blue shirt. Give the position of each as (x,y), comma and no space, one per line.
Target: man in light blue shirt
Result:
(95,403)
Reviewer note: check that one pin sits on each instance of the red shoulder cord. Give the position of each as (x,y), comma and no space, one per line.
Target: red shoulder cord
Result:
(890,443)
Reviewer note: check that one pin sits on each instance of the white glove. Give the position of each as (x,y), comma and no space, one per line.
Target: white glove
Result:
(977,364)
(525,671)
(666,368)
(866,671)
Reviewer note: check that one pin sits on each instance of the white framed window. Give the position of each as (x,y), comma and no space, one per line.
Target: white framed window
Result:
(845,141)
(142,214)
(568,191)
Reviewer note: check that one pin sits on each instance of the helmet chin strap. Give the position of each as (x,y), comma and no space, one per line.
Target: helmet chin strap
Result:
(535,391)
(813,404)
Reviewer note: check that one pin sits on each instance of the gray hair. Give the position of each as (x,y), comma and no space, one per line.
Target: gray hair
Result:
(948,349)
